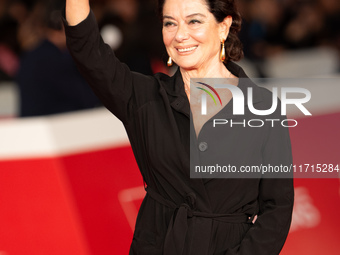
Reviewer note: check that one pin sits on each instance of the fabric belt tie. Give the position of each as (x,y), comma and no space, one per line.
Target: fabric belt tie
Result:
(175,238)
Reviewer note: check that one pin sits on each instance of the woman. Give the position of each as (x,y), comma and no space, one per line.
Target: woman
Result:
(179,214)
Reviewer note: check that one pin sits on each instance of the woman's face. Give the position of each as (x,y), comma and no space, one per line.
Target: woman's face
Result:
(191,34)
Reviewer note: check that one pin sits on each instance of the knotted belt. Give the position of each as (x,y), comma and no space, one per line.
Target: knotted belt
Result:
(174,242)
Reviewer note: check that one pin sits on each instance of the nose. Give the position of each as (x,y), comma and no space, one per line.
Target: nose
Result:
(182,33)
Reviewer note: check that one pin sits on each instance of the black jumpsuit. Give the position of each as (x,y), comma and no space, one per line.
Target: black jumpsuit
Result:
(179,214)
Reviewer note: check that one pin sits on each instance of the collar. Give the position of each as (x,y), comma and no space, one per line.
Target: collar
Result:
(244,83)
(174,87)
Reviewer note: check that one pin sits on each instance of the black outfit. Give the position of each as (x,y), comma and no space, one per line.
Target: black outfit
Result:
(179,214)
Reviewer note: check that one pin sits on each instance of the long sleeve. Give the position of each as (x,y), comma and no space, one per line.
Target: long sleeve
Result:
(111,80)
(276,197)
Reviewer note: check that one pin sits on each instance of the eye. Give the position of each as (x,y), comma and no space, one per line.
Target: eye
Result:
(194,21)
(168,24)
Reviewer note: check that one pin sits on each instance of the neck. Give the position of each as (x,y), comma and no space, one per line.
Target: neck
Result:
(57,38)
(218,70)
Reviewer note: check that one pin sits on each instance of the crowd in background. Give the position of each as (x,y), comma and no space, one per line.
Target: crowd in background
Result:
(32,41)
(271,26)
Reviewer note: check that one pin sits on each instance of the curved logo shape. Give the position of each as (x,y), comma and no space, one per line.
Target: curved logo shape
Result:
(212,89)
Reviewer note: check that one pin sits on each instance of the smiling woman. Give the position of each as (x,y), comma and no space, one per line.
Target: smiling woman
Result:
(201,19)
(181,215)
(193,37)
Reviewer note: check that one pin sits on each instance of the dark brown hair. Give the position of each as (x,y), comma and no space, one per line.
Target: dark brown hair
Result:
(221,9)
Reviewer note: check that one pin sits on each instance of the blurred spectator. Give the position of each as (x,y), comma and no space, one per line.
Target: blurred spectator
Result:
(296,24)
(331,30)
(306,26)
(12,14)
(272,26)
(48,80)
(32,30)
(133,30)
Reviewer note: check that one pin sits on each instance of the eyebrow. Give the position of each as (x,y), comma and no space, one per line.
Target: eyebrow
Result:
(167,17)
(196,14)
(189,16)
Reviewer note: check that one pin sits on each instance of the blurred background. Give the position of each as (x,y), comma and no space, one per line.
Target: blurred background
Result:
(68,181)
(278,35)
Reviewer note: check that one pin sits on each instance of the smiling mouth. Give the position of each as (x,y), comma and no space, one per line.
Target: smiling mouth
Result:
(185,50)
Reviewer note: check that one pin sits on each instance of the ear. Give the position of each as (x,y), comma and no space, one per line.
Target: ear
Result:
(225,27)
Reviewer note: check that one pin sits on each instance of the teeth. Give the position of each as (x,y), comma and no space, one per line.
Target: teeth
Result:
(187,49)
